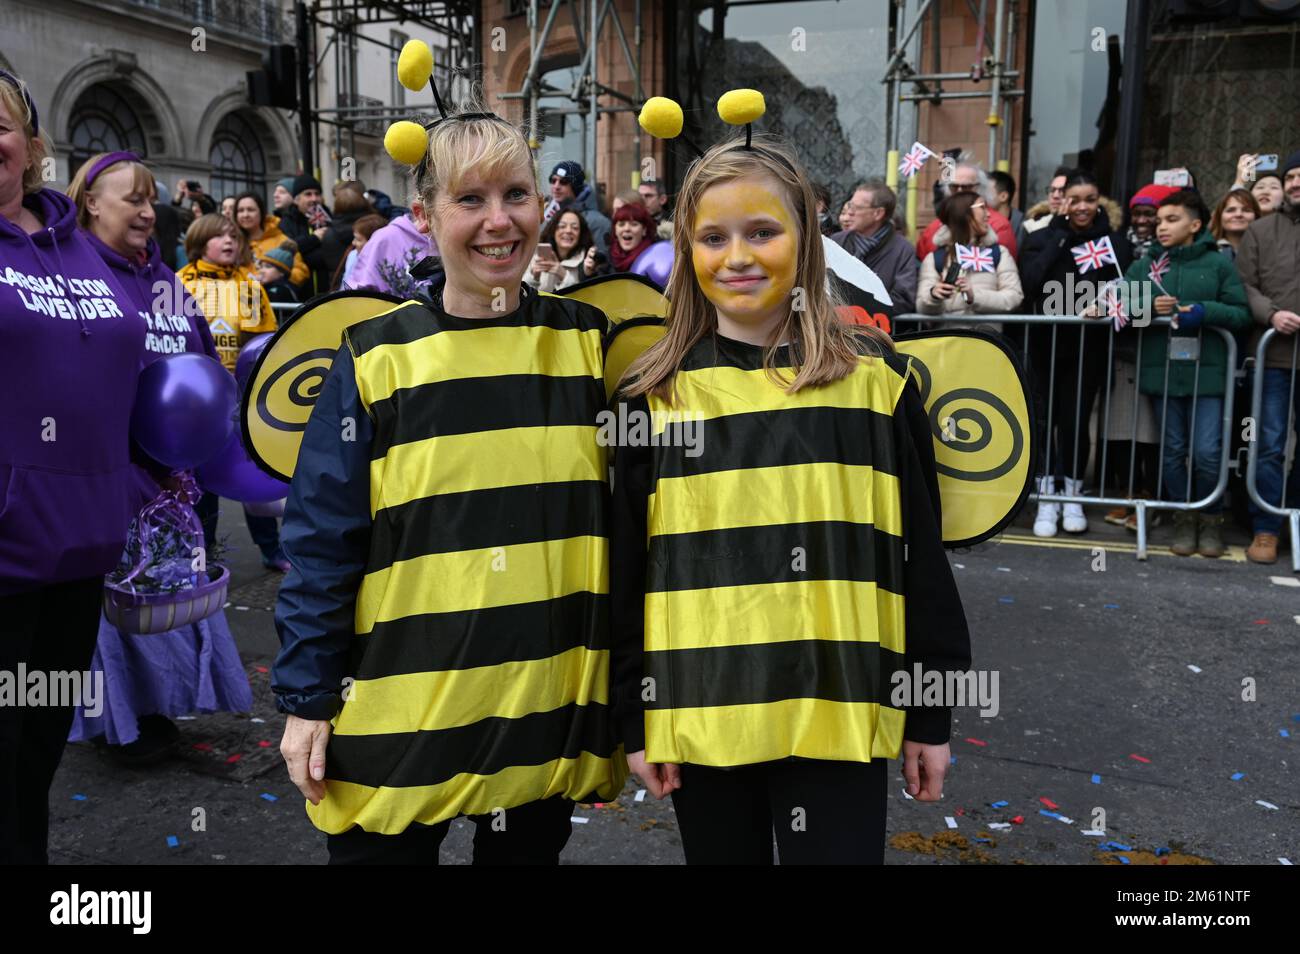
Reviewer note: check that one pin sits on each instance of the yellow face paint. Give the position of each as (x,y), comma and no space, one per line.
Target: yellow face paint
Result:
(743,250)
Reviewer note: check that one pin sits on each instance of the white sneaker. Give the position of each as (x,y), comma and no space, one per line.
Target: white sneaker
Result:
(1048,513)
(1073,518)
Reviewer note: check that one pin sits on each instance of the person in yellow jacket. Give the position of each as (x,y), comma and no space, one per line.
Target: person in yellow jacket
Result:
(236,307)
(264,233)
(228,293)
(776,559)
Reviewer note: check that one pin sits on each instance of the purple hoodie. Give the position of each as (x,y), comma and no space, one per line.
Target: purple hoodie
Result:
(70,352)
(400,244)
(174,323)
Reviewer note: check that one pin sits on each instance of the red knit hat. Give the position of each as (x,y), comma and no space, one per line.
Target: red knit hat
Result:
(1151,195)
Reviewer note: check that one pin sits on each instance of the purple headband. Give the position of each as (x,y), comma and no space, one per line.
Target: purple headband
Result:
(108,160)
(17,84)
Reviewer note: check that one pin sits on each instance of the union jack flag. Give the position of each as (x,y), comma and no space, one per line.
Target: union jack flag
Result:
(1158,269)
(975,259)
(914,160)
(1092,255)
(1114,303)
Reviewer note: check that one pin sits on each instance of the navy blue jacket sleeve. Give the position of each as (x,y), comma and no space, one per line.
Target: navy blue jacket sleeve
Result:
(326,537)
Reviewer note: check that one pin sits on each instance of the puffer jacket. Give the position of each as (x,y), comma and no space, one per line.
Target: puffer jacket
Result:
(1197,274)
(273,237)
(995,293)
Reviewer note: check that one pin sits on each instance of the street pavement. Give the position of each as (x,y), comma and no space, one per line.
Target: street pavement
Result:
(1131,694)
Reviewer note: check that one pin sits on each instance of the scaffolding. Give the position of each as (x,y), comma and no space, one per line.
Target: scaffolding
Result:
(996,67)
(590,18)
(457,21)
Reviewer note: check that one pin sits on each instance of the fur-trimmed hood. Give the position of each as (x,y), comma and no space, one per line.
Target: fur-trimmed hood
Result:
(1114,211)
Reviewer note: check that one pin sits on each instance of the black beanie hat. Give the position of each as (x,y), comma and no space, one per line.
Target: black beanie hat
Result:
(304,182)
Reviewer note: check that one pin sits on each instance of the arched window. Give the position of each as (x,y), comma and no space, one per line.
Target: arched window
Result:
(238,160)
(103,121)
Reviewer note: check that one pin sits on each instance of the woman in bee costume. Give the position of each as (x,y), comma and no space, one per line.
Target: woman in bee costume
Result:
(444,627)
(768,579)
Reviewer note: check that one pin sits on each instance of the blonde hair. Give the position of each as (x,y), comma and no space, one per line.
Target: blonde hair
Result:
(204,229)
(490,146)
(38,146)
(141,181)
(824,348)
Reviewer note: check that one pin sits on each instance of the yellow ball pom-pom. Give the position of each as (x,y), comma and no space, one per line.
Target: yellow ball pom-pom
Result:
(741,106)
(661,117)
(406,142)
(415,65)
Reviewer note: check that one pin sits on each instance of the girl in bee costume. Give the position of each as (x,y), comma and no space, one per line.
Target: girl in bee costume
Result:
(767,582)
(444,627)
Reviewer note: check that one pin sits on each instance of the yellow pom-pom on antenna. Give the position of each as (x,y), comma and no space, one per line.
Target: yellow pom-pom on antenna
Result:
(406,142)
(415,65)
(661,117)
(740,106)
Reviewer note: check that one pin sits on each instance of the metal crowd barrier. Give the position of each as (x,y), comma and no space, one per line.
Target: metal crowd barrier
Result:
(1291,514)
(1102,408)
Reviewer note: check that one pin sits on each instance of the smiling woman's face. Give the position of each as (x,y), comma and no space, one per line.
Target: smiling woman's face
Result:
(487,230)
(743,250)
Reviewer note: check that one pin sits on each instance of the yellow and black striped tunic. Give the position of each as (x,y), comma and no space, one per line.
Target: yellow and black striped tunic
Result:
(481,656)
(774,564)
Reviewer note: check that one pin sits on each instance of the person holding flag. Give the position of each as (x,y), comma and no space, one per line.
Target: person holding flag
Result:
(969,272)
(1194,286)
(1062,269)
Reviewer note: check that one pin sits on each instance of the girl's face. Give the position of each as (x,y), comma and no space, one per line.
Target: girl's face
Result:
(743,249)
(1268,193)
(228,208)
(248,215)
(120,216)
(486,230)
(221,250)
(979,218)
(358,241)
(1080,205)
(1236,217)
(629,233)
(567,231)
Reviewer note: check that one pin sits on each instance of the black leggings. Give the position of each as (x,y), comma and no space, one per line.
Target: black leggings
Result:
(823,813)
(51,629)
(532,834)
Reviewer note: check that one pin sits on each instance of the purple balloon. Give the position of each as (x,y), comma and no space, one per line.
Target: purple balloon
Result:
(655,263)
(184,409)
(233,475)
(248,356)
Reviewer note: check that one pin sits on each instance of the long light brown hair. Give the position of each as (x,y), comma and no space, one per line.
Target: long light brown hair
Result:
(824,348)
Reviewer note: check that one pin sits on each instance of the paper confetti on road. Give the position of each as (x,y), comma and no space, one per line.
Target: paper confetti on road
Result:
(269,797)
(579,821)
(1284,733)
(1004,569)
(261,669)
(78,798)
(1193,668)
(1006,599)
(1096,779)
(1238,776)
(201,747)
(960,566)
(1000,804)
(1049,803)
(185,718)
(1284,861)
(255,719)
(234,758)
(1284,580)
(1140,758)
(640,795)
(976,741)
(1092,832)
(950,821)
(1018,820)
(1110,606)
(264,744)
(1264,804)
(1000,826)
(172,841)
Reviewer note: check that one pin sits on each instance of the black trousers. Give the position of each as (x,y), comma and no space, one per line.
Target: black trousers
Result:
(1078,358)
(532,834)
(50,629)
(824,813)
